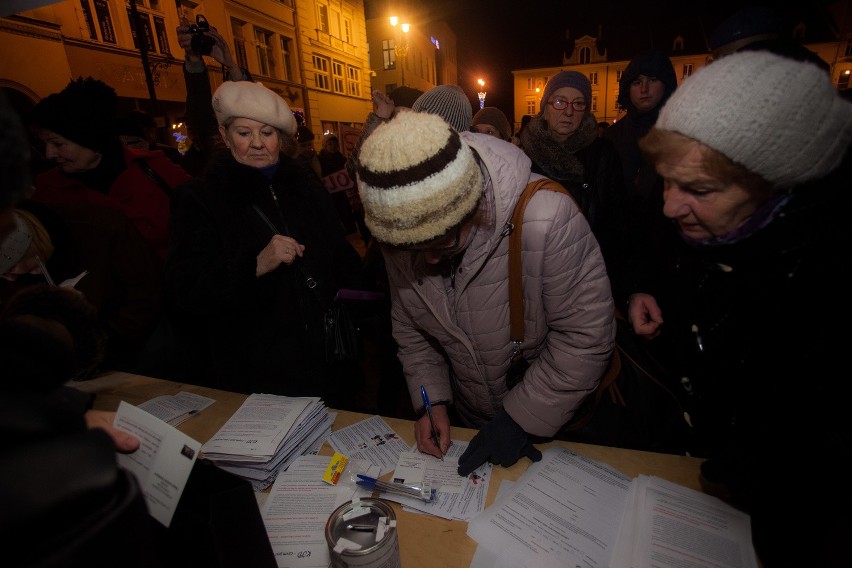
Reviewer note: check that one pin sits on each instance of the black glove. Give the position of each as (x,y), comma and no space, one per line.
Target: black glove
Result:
(501,441)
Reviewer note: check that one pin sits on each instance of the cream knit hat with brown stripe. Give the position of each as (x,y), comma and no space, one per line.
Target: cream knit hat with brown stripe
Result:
(417,179)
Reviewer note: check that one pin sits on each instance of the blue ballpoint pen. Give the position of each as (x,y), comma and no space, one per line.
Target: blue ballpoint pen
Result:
(428,406)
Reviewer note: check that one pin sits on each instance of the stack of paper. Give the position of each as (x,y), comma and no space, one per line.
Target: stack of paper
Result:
(266,434)
(569,510)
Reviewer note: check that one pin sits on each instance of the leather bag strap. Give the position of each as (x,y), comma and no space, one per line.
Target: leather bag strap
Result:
(516,291)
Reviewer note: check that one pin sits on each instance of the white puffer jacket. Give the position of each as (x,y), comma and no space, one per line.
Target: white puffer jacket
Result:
(455,340)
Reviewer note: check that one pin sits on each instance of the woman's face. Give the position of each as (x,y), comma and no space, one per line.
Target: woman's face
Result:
(252,143)
(484,128)
(563,123)
(69,156)
(702,205)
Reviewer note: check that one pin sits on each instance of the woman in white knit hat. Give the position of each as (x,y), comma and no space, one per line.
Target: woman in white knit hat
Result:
(240,231)
(749,305)
(440,203)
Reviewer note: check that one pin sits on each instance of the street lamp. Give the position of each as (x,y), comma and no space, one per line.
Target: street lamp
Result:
(400,48)
(481,93)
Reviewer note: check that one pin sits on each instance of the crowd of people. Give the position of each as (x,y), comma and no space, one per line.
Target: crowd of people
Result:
(710,217)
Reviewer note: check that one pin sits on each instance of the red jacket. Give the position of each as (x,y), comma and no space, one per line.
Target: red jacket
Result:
(133,193)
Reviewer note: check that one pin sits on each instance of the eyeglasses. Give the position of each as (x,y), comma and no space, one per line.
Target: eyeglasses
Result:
(562,104)
(445,250)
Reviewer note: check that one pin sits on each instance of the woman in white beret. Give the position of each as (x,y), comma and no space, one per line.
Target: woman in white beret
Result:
(239,232)
(749,304)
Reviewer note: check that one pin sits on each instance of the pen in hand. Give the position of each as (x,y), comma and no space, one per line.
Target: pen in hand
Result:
(428,406)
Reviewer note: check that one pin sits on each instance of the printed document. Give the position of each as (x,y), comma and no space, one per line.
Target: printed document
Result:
(162,463)
(372,440)
(299,505)
(565,510)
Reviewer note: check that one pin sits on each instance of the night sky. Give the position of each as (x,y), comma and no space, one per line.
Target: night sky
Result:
(495,37)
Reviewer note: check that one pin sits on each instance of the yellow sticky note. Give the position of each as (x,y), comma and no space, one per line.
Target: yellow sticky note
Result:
(335,468)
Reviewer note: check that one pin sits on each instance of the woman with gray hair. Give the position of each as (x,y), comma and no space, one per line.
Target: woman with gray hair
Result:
(239,233)
(743,304)
(563,144)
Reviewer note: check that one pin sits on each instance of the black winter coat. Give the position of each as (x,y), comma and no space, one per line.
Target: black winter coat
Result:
(755,331)
(259,334)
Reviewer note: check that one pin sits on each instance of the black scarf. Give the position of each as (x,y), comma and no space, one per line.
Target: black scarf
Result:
(557,159)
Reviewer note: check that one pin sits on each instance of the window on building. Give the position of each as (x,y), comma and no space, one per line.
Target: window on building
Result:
(843,81)
(237,27)
(98,20)
(585,55)
(347,30)
(530,83)
(265,59)
(687,70)
(286,42)
(322,76)
(152,27)
(594,106)
(532,106)
(322,17)
(618,75)
(338,80)
(353,76)
(678,44)
(593,78)
(848,51)
(388,54)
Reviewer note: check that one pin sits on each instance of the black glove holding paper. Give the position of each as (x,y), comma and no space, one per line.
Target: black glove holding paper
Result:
(501,441)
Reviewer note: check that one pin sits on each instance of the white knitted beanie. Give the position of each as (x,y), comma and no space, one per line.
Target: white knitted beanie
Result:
(449,102)
(416,178)
(244,99)
(781,119)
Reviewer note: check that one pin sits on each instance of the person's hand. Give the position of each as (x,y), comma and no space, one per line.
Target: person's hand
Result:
(280,249)
(501,441)
(423,432)
(383,105)
(644,315)
(125,442)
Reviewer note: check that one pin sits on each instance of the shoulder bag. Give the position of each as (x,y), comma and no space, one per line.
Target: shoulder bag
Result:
(340,333)
(632,406)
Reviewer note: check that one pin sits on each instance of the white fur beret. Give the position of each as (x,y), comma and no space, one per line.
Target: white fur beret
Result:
(244,99)
(780,118)
(15,246)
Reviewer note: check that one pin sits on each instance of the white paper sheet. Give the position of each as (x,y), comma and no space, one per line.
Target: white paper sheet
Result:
(162,463)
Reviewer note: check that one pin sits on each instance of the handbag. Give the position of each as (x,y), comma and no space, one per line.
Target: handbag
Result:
(340,332)
(633,405)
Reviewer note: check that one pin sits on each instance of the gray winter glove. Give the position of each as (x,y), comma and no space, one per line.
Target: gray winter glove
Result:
(501,441)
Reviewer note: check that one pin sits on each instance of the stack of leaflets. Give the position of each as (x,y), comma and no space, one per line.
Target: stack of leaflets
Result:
(266,434)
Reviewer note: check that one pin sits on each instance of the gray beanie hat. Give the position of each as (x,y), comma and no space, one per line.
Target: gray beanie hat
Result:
(449,102)
(781,119)
(417,179)
(244,99)
(567,79)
